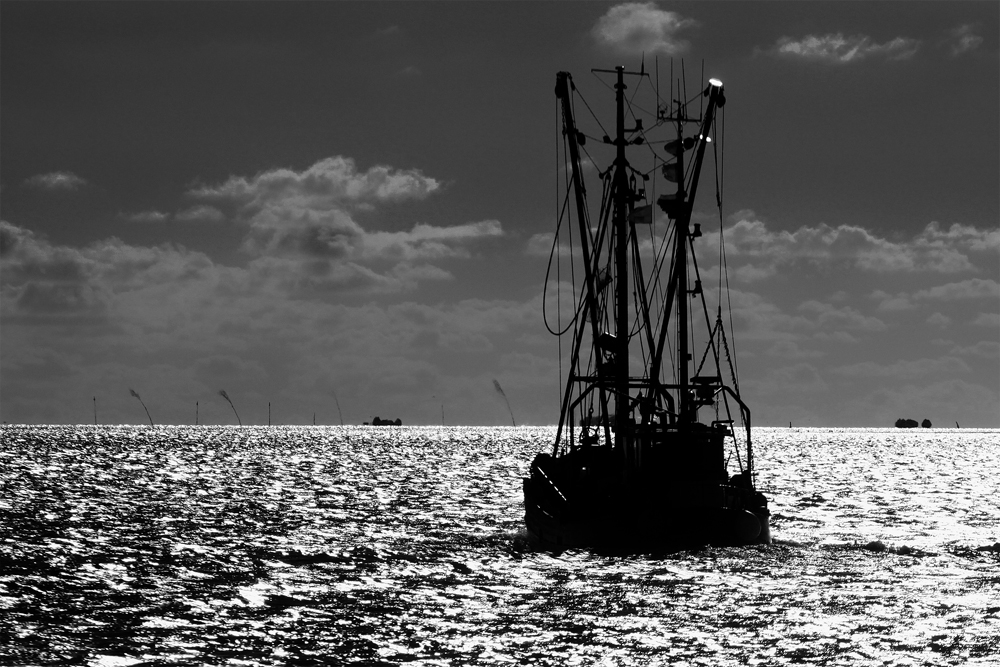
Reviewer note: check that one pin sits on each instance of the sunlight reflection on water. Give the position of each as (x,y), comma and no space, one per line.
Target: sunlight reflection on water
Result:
(340,545)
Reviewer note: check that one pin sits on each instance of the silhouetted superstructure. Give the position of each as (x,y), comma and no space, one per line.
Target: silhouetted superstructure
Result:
(386,422)
(632,466)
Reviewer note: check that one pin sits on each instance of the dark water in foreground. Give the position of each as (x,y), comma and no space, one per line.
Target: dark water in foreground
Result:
(385,546)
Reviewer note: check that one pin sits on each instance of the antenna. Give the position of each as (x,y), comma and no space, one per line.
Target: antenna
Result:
(670,109)
(657,84)
(701,107)
(684,90)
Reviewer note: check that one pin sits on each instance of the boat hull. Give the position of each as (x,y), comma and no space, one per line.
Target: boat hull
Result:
(571,503)
(621,526)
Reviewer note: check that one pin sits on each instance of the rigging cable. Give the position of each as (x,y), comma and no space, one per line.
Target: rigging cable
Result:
(724,271)
(558,264)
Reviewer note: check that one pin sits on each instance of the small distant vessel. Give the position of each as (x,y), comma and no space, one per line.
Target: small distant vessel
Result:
(385,422)
(633,467)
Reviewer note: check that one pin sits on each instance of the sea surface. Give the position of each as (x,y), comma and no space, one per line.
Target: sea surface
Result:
(405,546)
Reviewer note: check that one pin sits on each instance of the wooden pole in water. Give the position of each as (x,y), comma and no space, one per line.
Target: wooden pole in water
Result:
(136,394)
(269,413)
(95,411)
(196,413)
(223,394)
(341,414)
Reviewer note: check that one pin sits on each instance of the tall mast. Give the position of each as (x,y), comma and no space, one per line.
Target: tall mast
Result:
(680,264)
(679,207)
(564,83)
(622,194)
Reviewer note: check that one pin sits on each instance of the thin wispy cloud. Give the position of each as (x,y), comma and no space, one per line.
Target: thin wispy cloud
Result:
(201,213)
(635,28)
(838,49)
(56,180)
(147,217)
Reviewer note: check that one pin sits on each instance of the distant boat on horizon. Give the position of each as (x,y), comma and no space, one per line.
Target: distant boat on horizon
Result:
(385,422)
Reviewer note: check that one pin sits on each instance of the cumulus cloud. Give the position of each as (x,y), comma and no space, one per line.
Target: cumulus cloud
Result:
(890,302)
(828,317)
(988,349)
(987,320)
(333,181)
(56,180)
(963,39)
(41,279)
(428,242)
(635,28)
(838,49)
(540,245)
(302,229)
(758,252)
(974,288)
(939,320)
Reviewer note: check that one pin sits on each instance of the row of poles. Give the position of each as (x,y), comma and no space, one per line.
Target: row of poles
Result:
(223,394)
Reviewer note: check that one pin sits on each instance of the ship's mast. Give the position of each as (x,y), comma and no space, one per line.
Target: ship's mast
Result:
(680,264)
(622,197)
(679,207)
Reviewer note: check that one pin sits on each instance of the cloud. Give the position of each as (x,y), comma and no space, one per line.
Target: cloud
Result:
(974,288)
(838,49)
(540,245)
(329,182)
(987,320)
(827,317)
(56,180)
(757,252)
(635,28)
(988,349)
(963,39)
(428,242)
(201,213)
(939,320)
(302,232)
(147,216)
(890,302)
(44,280)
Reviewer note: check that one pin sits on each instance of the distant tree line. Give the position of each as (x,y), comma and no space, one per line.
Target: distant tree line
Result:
(912,423)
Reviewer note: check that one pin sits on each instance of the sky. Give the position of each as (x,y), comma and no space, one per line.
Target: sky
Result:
(341,210)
